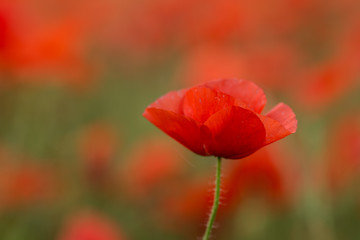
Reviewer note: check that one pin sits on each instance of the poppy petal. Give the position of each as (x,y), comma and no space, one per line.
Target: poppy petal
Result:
(182,129)
(284,114)
(279,123)
(236,133)
(245,91)
(202,102)
(171,101)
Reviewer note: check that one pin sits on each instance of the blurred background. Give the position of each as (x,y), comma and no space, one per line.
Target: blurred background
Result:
(79,162)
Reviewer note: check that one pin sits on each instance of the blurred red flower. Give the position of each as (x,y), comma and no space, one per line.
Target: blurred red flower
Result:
(97,150)
(322,85)
(221,118)
(272,64)
(5,31)
(270,173)
(269,64)
(90,226)
(343,153)
(211,62)
(25,184)
(153,163)
(37,44)
(149,27)
(211,21)
(55,49)
(188,205)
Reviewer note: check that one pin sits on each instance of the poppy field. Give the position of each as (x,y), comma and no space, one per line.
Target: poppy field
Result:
(178,120)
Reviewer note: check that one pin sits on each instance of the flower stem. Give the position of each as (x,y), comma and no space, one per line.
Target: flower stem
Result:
(215,206)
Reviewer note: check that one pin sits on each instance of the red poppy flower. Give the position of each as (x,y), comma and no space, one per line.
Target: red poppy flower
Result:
(221,118)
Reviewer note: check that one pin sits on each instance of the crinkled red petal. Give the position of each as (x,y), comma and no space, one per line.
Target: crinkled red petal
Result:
(279,123)
(171,101)
(182,129)
(245,91)
(202,102)
(284,114)
(236,133)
